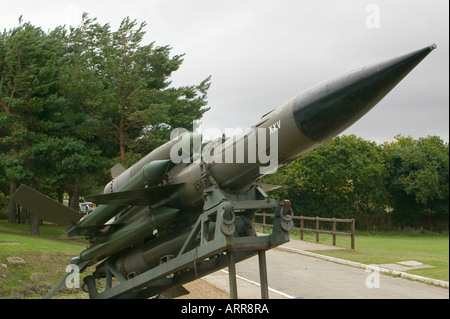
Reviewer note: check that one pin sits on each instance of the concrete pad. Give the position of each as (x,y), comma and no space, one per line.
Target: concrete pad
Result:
(410,263)
(405,265)
(395,267)
(414,264)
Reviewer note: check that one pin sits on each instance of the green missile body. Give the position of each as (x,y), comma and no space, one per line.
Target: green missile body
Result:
(129,234)
(150,174)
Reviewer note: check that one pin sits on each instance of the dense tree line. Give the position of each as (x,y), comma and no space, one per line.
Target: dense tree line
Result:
(401,184)
(75,101)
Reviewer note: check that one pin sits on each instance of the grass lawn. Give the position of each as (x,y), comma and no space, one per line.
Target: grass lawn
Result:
(43,255)
(430,249)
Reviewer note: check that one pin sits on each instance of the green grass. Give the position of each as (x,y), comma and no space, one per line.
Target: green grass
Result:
(389,247)
(42,254)
(46,229)
(430,249)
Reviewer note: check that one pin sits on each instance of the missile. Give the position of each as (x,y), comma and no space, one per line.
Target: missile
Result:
(149,212)
(286,133)
(300,125)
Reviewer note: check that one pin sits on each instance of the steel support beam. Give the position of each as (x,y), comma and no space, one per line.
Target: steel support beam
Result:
(201,256)
(232,275)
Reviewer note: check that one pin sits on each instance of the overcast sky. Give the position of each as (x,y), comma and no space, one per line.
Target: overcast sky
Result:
(262,53)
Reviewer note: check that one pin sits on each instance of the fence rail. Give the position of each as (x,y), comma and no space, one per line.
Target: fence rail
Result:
(317,229)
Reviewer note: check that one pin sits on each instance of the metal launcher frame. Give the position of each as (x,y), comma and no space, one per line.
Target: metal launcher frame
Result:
(222,236)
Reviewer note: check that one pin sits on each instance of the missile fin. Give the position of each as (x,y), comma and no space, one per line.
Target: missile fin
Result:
(91,231)
(138,197)
(116,170)
(44,207)
(270,187)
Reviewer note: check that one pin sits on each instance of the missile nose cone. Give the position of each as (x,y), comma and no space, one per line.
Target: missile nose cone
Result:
(329,108)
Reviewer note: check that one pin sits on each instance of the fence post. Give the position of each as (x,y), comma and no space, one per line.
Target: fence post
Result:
(302,225)
(334,231)
(353,234)
(317,228)
(264,222)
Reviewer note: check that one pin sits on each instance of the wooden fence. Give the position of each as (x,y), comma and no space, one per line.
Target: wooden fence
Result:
(317,229)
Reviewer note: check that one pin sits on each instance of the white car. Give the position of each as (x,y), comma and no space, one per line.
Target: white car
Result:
(87,207)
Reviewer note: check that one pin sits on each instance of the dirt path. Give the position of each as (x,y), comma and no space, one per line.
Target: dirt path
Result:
(200,289)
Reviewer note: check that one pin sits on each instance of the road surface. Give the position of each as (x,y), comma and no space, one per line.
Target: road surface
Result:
(293,275)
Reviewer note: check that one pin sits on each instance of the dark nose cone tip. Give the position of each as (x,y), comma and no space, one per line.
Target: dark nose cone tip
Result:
(326,110)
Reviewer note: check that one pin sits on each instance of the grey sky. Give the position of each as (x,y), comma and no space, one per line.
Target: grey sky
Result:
(261,53)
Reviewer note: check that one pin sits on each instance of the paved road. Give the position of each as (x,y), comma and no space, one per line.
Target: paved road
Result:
(293,275)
